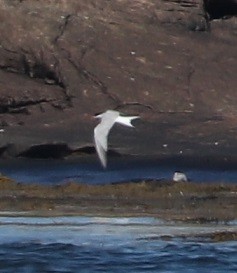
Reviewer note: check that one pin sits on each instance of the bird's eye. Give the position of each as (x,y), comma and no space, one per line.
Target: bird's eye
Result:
(96,114)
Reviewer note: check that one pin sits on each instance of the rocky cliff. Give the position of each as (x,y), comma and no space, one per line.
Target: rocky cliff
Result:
(172,62)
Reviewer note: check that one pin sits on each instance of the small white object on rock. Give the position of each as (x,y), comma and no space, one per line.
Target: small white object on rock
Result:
(180,177)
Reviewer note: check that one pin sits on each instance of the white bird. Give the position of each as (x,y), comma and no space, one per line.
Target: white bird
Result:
(180,177)
(102,130)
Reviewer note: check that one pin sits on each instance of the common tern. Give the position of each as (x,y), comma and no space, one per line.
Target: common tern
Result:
(180,177)
(101,131)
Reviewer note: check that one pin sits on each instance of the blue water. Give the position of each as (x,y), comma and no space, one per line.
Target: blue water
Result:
(92,244)
(119,170)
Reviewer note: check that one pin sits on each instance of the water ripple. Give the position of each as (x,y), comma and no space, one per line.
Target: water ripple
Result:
(175,257)
(109,245)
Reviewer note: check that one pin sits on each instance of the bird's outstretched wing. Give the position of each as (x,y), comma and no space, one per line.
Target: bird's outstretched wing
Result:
(101,132)
(126,121)
(100,151)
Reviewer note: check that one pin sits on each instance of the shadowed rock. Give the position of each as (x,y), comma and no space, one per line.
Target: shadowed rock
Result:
(220,8)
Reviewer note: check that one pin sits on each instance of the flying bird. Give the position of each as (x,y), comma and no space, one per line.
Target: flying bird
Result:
(101,131)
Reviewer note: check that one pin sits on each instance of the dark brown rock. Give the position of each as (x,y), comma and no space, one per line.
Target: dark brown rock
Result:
(63,61)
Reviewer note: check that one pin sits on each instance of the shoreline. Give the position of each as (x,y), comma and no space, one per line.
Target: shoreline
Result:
(179,204)
(182,202)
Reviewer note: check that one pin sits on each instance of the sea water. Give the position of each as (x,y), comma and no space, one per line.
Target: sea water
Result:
(95,244)
(119,170)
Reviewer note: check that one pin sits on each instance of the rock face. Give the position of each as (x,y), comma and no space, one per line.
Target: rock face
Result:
(62,61)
